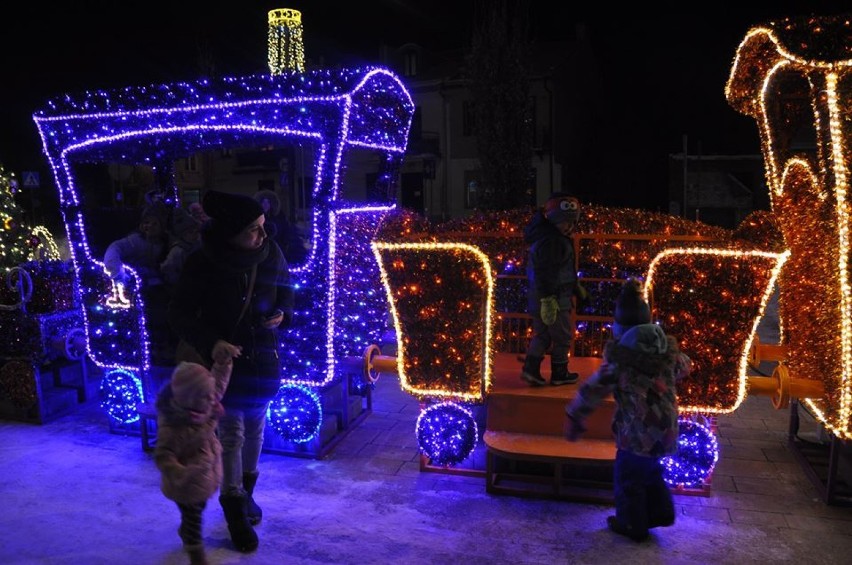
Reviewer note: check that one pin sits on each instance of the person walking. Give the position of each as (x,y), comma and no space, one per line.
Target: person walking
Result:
(236,289)
(188,453)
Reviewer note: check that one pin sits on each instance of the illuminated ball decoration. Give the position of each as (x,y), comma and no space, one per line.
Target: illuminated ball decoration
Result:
(697,454)
(121,391)
(446,433)
(295,413)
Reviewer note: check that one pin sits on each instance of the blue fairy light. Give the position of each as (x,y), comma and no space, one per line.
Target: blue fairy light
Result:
(447,433)
(121,391)
(697,454)
(295,413)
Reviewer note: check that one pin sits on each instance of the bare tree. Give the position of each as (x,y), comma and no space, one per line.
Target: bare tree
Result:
(496,68)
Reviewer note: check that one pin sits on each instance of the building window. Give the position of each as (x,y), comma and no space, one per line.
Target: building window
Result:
(472,189)
(410,64)
(191,164)
(468,118)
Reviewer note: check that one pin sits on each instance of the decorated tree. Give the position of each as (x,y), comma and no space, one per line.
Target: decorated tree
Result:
(19,243)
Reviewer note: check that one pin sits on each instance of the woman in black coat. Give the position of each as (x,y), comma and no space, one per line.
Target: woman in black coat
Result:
(237,265)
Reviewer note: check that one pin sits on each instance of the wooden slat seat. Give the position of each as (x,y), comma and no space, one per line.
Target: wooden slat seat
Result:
(580,470)
(549,447)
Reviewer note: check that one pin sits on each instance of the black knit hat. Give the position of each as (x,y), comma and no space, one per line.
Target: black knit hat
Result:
(630,308)
(230,213)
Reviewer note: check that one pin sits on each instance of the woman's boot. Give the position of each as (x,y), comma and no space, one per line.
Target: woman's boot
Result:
(255,514)
(243,535)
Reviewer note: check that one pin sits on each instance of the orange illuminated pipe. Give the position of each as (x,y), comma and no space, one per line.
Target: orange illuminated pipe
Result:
(372,363)
(781,387)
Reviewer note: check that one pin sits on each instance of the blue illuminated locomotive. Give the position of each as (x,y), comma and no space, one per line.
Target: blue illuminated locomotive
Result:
(342,115)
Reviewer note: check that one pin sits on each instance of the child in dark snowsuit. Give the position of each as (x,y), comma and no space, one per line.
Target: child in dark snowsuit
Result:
(188,453)
(640,368)
(552,276)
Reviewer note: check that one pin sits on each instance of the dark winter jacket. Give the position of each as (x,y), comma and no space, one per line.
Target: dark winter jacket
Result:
(188,453)
(641,371)
(173,263)
(551,268)
(207,303)
(138,252)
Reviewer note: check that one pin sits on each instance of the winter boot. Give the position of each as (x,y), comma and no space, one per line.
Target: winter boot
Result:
(197,556)
(255,514)
(236,514)
(559,375)
(531,372)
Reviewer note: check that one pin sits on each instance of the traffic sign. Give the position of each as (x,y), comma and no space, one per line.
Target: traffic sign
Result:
(31,179)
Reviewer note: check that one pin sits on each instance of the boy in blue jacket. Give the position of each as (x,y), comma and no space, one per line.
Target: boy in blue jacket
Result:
(552,276)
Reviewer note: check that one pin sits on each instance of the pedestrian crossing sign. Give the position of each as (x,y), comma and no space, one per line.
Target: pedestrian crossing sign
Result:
(31,179)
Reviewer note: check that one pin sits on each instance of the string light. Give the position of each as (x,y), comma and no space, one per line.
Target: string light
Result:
(333,110)
(791,77)
(295,413)
(441,298)
(285,50)
(446,433)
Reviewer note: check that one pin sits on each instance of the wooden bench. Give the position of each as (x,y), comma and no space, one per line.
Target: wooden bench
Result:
(580,470)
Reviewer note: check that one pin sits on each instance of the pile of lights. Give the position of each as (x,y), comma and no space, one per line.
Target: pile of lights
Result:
(333,110)
(120,392)
(792,77)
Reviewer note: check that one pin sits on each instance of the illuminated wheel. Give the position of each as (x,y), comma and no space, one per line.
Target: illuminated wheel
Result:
(121,391)
(75,344)
(446,433)
(295,413)
(696,457)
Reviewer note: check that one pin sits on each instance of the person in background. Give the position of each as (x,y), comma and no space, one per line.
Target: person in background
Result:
(188,453)
(144,250)
(279,228)
(552,277)
(196,210)
(641,366)
(236,290)
(185,238)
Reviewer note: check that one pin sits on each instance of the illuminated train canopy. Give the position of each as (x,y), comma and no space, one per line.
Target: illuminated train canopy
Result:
(367,110)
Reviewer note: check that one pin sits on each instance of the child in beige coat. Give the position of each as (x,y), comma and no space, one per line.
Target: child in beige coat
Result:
(188,453)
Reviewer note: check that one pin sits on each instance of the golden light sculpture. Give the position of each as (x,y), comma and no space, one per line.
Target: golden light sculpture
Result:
(441,297)
(285,50)
(714,323)
(794,77)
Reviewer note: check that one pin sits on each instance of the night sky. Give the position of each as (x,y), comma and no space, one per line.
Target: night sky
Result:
(664,70)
